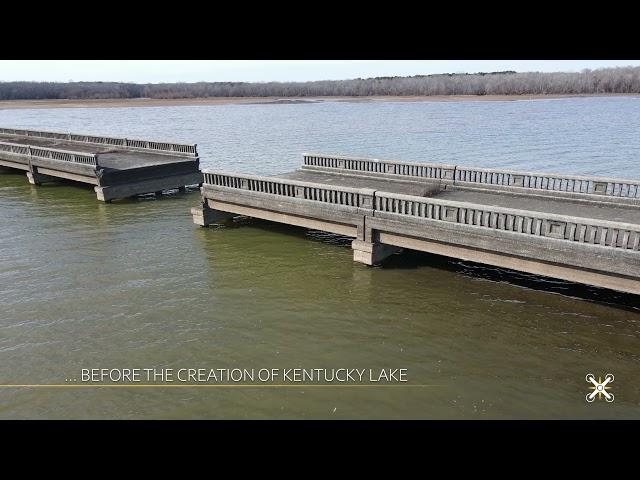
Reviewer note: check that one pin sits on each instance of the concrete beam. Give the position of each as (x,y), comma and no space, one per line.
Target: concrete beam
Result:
(624,262)
(287,205)
(521,264)
(289,219)
(5,163)
(57,174)
(59,167)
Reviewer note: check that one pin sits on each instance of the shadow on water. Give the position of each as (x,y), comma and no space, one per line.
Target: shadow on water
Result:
(58,183)
(166,194)
(290,230)
(412,260)
(12,171)
(64,191)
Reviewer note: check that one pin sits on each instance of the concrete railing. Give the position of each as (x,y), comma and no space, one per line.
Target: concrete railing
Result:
(14,148)
(342,196)
(374,165)
(49,153)
(605,233)
(158,147)
(549,181)
(485,177)
(572,229)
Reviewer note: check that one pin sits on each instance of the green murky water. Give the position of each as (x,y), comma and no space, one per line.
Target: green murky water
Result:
(136,284)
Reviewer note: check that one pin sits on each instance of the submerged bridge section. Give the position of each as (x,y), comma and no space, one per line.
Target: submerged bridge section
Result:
(117,167)
(576,228)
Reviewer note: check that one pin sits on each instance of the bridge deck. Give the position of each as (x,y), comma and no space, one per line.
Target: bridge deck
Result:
(111,157)
(386,185)
(118,167)
(582,229)
(558,206)
(618,213)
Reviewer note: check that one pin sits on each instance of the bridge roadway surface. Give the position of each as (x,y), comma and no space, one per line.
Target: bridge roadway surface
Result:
(111,156)
(502,199)
(117,171)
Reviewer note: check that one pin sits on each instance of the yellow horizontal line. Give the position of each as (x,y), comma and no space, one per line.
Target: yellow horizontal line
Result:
(232,385)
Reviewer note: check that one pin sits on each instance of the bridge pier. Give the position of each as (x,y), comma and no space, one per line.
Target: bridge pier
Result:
(36,178)
(205,216)
(371,253)
(100,195)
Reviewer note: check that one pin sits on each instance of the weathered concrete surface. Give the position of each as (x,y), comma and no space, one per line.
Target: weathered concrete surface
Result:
(13,164)
(53,174)
(50,143)
(583,255)
(587,189)
(116,171)
(543,204)
(561,206)
(291,211)
(407,187)
(559,270)
(110,156)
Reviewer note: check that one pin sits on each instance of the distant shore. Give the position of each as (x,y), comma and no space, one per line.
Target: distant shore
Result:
(160,102)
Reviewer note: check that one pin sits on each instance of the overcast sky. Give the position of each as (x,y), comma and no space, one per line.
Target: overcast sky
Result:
(154,71)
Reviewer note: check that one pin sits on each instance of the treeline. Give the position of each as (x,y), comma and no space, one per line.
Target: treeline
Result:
(608,80)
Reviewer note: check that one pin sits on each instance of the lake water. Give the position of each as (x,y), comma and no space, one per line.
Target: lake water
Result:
(135,284)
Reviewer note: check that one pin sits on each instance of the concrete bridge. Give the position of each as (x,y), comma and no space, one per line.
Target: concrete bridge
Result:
(576,228)
(117,167)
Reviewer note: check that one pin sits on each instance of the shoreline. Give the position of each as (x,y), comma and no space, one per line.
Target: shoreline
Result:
(160,102)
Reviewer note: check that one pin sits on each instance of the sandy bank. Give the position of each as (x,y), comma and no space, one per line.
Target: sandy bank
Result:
(153,102)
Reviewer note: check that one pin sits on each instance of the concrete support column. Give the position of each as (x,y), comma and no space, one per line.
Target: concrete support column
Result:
(101,194)
(448,176)
(205,216)
(36,178)
(371,253)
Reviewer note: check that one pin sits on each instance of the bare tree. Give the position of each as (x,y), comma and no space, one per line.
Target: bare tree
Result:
(600,81)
